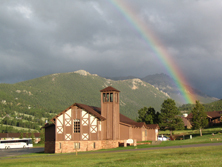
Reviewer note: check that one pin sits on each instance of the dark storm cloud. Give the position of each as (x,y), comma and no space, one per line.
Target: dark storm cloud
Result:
(38,38)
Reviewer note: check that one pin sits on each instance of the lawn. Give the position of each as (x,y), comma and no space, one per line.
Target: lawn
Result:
(209,130)
(39,145)
(203,156)
(195,140)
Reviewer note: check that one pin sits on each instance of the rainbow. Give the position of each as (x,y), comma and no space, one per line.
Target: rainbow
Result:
(159,50)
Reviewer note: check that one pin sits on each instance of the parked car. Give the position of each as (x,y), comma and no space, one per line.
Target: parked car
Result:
(163,138)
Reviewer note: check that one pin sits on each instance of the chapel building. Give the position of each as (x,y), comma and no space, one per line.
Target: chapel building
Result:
(84,128)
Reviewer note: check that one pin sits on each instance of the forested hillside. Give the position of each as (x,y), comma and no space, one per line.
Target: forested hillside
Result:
(25,106)
(214,106)
(28,104)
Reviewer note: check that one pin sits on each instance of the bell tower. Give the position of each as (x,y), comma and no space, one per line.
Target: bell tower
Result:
(110,110)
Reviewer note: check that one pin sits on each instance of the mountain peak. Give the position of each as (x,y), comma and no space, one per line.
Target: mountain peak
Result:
(82,72)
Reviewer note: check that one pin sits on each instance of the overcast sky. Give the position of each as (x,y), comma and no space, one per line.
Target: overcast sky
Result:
(39,38)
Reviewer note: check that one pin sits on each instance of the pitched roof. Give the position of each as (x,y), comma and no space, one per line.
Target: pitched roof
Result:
(108,89)
(90,109)
(186,122)
(213,114)
(129,121)
(126,120)
(220,112)
(153,126)
(190,116)
(96,111)
(140,124)
(48,125)
(210,114)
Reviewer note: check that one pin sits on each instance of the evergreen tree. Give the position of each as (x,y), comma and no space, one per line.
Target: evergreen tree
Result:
(33,137)
(169,118)
(27,135)
(21,135)
(148,115)
(199,120)
(42,136)
(1,128)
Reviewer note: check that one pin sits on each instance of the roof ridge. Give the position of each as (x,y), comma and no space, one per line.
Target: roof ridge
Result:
(109,88)
(88,108)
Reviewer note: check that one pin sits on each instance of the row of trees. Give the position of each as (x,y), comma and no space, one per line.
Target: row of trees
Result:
(21,123)
(170,119)
(214,106)
(15,115)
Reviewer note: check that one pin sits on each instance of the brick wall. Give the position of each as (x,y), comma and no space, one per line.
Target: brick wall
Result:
(68,146)
(106,144)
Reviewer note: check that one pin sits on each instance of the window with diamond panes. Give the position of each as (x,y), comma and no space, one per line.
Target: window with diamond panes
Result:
(76,126)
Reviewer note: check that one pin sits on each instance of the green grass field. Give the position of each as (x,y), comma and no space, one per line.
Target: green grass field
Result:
(203,156)
(195,140)
(209,130)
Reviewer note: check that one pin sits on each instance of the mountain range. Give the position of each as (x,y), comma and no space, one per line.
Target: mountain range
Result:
(167,85)
(41,98)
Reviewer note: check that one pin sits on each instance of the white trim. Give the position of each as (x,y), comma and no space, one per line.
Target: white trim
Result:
(85,136)
(59,129)
(68,114)
(85,114)
(85,122)
(68,137)
(60,120)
